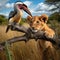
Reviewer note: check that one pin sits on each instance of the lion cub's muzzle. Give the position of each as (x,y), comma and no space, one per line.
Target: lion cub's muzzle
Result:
(33,29)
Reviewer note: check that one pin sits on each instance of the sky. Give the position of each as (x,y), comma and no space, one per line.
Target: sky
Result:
(37,7)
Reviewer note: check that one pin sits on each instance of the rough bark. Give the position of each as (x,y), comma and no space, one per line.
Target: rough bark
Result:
(26,47)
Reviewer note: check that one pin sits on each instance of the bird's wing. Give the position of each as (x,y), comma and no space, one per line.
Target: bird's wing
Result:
(12,14)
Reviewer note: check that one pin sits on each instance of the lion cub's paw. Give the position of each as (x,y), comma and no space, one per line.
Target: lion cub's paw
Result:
(49,35)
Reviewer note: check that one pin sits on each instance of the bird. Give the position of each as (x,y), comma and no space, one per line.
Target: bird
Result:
(16,15)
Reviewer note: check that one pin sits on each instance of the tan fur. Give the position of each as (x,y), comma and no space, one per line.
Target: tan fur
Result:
(39,23)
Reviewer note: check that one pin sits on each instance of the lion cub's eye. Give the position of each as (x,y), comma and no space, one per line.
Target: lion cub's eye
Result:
(37,21)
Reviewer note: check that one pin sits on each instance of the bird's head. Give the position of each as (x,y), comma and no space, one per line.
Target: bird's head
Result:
(24,7)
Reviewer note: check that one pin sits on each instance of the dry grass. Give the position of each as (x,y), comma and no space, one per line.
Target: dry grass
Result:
(31,50)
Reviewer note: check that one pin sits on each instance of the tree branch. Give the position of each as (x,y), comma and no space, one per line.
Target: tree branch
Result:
(19,28)
(15,39)
(28,35)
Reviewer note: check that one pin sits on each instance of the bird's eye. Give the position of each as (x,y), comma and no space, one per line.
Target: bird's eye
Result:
(37,21)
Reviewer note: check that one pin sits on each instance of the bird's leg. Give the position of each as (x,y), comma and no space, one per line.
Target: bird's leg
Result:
(12,28)
(13,24)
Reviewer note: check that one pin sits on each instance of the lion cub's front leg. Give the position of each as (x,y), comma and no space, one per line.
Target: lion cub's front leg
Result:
(49,33)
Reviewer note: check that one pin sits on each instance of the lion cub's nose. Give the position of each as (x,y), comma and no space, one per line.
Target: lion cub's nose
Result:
(33,28)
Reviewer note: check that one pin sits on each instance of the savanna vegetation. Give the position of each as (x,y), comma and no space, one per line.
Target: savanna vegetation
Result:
(32,50)
(3,19)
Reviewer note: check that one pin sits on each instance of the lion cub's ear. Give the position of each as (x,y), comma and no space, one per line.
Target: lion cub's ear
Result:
(29,19)
(44,18)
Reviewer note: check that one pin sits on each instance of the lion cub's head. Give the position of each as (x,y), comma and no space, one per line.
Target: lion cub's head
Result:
(37,22)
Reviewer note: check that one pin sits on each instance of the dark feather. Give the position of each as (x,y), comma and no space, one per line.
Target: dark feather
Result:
(12,14)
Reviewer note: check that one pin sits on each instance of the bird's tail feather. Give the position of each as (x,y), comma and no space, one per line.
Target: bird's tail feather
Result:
(7,28)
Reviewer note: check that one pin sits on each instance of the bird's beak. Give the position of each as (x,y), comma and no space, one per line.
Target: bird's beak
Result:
(25,8)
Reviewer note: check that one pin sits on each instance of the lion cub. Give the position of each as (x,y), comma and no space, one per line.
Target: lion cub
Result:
(39,23)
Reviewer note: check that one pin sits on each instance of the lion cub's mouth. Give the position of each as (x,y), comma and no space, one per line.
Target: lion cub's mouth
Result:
(34,30)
